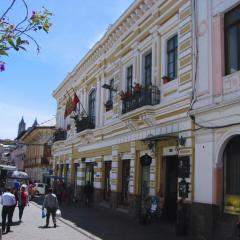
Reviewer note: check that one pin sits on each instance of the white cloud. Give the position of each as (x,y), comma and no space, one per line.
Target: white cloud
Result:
(12,114)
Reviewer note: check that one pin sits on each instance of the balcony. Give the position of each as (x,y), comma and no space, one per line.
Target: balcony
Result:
(84,123)
(59,135)
(149,95)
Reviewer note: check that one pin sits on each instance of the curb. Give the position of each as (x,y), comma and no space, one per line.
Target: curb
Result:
(80,230)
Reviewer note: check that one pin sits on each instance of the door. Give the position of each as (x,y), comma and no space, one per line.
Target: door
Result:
(125,181)
(171,181)
(89,173)
(107,183)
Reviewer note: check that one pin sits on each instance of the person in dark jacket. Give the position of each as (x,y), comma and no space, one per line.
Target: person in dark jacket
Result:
(88,193)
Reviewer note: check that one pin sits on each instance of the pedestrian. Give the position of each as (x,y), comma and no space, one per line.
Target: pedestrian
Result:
(8,200)
(59,191)
(22,201)
(88,193)
(51,204)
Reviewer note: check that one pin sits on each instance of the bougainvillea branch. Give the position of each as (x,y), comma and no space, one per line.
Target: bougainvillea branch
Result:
(17,36)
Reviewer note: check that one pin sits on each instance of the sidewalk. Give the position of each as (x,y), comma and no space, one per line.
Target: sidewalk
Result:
(112,225)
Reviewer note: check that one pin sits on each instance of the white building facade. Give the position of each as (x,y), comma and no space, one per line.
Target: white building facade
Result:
(215,109)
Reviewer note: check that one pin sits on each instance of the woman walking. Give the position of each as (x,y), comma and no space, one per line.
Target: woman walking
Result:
(22,201)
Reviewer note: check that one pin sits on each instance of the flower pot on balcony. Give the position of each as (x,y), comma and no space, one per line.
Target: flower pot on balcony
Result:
(108,105)
(166,79)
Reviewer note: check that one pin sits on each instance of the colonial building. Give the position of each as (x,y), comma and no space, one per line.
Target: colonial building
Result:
(130,135)
(37,162)
(216,112)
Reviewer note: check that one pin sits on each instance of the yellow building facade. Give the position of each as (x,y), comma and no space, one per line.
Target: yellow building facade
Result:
(38,159)
(130,136)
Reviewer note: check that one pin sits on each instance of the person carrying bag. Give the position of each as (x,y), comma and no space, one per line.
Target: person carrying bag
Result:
(51,204)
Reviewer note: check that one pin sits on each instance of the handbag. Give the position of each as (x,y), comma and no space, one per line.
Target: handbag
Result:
(58,213)
(44,214)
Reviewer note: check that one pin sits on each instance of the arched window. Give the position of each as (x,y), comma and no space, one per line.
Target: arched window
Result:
(92,105)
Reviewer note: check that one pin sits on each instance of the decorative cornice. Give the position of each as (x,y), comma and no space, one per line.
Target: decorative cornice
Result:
(114,34)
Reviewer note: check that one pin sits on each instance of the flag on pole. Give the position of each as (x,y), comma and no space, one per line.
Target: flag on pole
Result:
(75,102)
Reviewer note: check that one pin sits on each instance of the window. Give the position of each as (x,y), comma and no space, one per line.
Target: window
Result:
(232,39)
(92,103)
(148,70)
(129,78)
(172,56)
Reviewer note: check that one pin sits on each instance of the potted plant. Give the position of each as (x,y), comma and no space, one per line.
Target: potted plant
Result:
(125,96)
(108,105)
(137,88)
(166,79)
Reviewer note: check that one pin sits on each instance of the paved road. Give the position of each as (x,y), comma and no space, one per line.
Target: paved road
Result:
(31,228)
(86,223)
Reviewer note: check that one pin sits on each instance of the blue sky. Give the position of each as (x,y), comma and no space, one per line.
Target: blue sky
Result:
(27,84)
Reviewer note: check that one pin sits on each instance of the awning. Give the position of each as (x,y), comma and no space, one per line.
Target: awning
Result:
(17,175)
(160,137)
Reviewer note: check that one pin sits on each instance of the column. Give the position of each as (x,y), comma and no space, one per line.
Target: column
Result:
(98,102)
(155,58)
(114,172)
(102,111)
(132,186)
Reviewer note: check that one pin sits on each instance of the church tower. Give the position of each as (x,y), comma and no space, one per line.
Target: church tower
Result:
(21,127)
(35,124)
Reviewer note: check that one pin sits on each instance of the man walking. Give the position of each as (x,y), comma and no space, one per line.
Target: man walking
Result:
(8,201)
(51,204)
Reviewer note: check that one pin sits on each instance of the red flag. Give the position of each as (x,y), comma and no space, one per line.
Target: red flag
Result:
(75,101)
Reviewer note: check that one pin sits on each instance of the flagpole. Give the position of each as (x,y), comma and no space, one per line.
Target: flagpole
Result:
(81,104)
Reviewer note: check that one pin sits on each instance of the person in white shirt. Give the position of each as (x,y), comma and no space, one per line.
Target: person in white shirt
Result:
(8,201)
(51,204)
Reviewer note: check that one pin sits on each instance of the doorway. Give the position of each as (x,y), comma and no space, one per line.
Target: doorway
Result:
(107,184)
(89,173)
(231,180)
(125,182)
(171,181)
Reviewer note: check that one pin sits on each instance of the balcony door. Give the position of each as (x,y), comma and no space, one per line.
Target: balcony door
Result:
(148,70)
(92,106)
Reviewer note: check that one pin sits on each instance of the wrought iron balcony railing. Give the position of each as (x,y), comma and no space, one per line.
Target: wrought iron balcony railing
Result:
(59,135)
(84,123)
(149,95)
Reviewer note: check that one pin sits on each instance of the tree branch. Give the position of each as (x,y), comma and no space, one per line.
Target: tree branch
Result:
(13,2)
(26,16)
(38,47)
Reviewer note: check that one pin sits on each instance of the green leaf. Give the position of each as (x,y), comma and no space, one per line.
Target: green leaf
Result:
(10,41)
(19,41)
(3,52)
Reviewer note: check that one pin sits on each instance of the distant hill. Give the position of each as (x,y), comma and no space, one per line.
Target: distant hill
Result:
(6,141)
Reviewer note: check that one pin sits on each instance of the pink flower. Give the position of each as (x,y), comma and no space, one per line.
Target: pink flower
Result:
(2,66)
